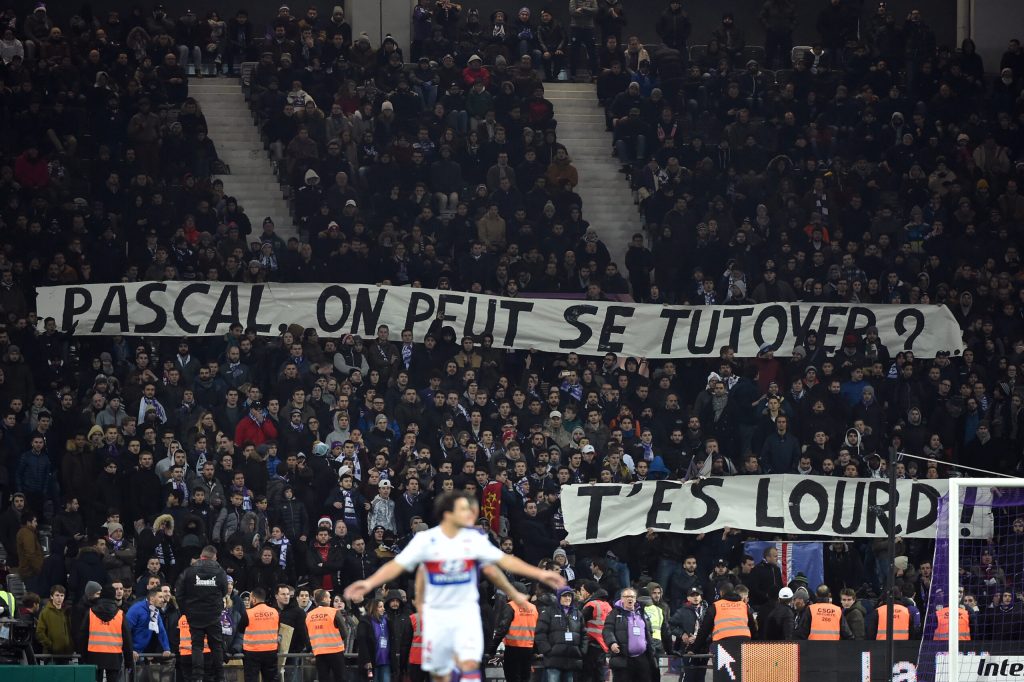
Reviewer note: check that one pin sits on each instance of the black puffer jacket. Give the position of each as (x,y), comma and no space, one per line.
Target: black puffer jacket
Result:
(551,638)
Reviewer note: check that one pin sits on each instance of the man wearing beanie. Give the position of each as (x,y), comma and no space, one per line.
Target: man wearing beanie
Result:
(560,637)
(561,560)
(105,636)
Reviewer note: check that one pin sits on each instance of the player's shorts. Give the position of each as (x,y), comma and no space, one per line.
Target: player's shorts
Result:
(451,635)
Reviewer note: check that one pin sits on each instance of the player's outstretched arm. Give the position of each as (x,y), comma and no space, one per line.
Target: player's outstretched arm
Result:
(385,574)
(501,581)
(421,587)
(514,564)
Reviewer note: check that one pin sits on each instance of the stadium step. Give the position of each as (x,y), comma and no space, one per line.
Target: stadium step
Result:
(607,199)
(252,180)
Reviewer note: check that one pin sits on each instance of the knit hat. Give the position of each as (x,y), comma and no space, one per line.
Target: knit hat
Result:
(324,521)
(92,587)
(559,553)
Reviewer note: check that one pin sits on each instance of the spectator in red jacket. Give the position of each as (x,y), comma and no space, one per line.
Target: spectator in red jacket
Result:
(31,170)
(476,71)
(255,427)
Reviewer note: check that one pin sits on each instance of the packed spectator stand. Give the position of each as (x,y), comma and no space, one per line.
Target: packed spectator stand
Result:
(873,166)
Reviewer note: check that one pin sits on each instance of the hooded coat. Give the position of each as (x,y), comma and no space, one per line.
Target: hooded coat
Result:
(555,625)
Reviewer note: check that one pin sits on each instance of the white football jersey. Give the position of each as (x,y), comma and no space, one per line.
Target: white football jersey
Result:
(451,565)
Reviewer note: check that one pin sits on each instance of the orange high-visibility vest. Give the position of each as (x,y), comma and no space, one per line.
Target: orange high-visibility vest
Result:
(185,645)
(825,620)
(324,636)
(731,620)
(900,622)
(524,623)
(416,651)
(261,633)
(104,637)
(595,626)
(942,628)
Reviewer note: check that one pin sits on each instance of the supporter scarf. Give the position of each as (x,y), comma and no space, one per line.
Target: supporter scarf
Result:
(146,403)
(520,486)
(282,555)
(165,553)
(648,449)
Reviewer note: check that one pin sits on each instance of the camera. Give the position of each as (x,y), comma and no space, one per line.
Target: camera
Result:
(16,641)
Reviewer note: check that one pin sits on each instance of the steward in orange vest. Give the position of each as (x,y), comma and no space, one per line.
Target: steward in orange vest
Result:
(259,626)
(728,618)
(942,624)
(900,621)
(325,626)
(106,636)
(596,610)
(416,650)
(823,621)
(515,626)
(184,634)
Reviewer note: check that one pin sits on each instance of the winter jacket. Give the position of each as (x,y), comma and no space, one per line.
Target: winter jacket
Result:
(777,624)
(400,639)
(228,522)
(120,562)
(764,583)
(684,621)
(292,516)
(30,553)
(138,621)
(54,630)
(382,513)
(616,631)
(856,618)
(248,431)
(550,637)
(201,590)
(87,566)
(33,473)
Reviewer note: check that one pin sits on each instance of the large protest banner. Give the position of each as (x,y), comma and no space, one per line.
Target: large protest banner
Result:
(787,503)
(588,327)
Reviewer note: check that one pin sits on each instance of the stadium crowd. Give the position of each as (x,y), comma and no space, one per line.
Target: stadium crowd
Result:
(875,166)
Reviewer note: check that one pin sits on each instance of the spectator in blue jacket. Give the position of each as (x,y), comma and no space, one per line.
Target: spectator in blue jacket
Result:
(33,475)
(149,635)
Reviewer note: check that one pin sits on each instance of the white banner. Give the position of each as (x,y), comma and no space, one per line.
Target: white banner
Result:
(976,667)
(555,325)
(779,504)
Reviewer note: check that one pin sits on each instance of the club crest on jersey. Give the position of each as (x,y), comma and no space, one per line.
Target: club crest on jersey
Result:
(450,571)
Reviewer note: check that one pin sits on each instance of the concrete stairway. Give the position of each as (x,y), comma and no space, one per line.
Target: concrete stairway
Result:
(252,180)
(607,199)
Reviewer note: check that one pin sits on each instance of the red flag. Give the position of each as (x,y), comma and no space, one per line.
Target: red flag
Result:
(491,506)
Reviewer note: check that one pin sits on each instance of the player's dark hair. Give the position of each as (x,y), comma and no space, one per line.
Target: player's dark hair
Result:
(446,503)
